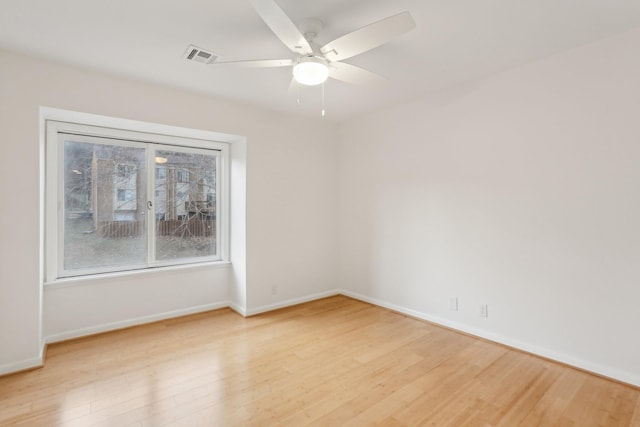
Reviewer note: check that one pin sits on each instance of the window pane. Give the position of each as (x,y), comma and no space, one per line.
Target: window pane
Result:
(185,205)
(104,206)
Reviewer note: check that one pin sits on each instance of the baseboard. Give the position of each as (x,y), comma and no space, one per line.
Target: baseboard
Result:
(605,371)
(107,327)
(242,311)
(23,365)
(601,370)
(288,303)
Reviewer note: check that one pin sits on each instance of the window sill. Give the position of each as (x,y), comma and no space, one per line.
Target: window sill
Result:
(81,280)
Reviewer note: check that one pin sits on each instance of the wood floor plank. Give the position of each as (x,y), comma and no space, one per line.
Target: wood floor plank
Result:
(635,420)
(335,361)
(553,403)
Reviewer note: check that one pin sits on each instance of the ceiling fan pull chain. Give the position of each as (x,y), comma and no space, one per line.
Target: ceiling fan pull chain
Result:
(323,112)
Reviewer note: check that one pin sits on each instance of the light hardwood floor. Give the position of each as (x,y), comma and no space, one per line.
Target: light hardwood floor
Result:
(333,362)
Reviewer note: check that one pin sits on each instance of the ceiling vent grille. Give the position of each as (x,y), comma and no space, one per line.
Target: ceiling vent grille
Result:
(197,54)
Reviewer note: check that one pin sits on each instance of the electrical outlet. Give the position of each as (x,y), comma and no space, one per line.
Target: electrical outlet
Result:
(484,310)
(453,303)
(274,290)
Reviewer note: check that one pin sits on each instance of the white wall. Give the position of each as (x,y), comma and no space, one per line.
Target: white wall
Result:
(84,307)
(521,191)
(291,213)
(289,167)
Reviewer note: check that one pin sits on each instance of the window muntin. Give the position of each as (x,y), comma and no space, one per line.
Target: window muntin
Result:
(115,199)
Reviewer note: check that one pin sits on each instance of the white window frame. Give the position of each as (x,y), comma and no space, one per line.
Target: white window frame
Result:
(134,133)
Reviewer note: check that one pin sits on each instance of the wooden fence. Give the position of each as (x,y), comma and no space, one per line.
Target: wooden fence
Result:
(116,229)
(190,227)
(179,228)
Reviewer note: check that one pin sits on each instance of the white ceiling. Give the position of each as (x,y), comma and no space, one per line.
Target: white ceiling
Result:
(455,41)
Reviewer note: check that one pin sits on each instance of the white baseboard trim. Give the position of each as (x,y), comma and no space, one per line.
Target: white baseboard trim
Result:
(242,311)
(288,303)
(605,371)
(595,368)
(23,365)
(77,333)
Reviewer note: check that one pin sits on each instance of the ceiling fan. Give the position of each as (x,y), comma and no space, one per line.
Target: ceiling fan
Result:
(313,64)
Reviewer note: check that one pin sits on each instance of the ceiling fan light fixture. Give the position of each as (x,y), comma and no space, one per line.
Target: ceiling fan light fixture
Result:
(310,70)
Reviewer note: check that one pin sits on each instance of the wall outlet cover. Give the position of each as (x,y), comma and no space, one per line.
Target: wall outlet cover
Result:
(484,310)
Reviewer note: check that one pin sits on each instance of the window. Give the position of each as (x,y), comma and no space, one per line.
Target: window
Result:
(124,200)
(126,195)
(125,171)
(183,175)
(161,172)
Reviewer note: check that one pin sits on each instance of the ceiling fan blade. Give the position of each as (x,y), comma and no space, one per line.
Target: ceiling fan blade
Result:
(282,26)
(351,74)
(368,37)
(257,63)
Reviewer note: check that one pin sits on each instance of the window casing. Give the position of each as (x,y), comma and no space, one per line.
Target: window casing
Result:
(119,200)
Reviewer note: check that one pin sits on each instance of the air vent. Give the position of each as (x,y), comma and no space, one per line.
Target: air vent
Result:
(198,54)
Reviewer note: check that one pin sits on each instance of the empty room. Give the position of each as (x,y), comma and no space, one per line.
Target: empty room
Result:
(327,213)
